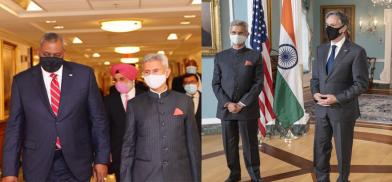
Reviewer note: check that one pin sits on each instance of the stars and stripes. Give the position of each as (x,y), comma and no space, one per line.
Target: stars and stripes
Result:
(259,42)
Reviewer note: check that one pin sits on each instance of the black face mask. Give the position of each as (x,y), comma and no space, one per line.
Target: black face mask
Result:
(51,64)
(333,33)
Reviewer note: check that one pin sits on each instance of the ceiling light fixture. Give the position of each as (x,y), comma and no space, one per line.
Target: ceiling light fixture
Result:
(77,40)
(107,63)
(189,16)
(96,55)
(172,36)
(196,2)
(129,60)
(121,25)
(185,22)
(58,27)
(161,52)
(50,21)
(126,50)
(33,7)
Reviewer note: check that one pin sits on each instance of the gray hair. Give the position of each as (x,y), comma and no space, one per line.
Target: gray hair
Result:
(51,37)
(157,57)
(342,16)
(239,23)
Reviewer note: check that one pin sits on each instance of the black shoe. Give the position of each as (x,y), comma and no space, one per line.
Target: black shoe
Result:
(232,179)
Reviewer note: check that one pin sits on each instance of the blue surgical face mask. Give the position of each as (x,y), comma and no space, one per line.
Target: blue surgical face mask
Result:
(190,88)
(191,69)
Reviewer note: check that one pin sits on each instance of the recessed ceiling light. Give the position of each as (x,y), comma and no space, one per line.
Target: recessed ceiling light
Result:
(196,2)
(86,55)
(170,52)
(121,25)
(161,52)
(107,63)
(129,60)
(50,21)
(185,22)
(58,27)
(33,7)
(189,16)
(77,40)
(126,50)
(172,36)
(96,55)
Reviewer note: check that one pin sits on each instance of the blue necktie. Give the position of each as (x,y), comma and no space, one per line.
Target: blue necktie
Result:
(331,59)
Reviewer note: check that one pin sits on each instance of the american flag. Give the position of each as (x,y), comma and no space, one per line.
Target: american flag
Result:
(259,42)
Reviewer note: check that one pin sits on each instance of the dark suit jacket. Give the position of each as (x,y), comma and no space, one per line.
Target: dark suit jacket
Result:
(238,77)
(158,145)
(347,80)
(177,83)
(116,117)
(198,114)
(32,127)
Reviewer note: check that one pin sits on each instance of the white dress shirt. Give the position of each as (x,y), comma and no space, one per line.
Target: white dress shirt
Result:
(48,80)
(338,46)
(195,98)
(131,94)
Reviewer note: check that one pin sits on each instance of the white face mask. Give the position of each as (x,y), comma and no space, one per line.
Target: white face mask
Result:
(238,39)
(155,81)
(191,69)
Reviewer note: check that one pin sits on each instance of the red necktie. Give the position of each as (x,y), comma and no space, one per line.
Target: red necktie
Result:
(55,100)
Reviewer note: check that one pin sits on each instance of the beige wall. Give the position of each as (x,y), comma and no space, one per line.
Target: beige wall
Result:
(21,50)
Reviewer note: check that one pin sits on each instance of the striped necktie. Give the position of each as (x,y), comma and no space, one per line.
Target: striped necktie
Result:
(55,100)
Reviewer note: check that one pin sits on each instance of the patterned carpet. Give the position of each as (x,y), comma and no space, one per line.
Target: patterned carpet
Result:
(374,108)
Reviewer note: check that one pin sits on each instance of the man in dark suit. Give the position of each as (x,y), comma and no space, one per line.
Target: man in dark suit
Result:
(124,76)
(237,82)
(161,142)
(190,68)
(191,81)
(339,76)
(57,125)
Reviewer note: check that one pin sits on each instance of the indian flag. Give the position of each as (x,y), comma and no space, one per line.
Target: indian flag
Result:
(288,103)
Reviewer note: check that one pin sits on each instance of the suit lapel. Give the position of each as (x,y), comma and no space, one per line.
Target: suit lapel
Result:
(324,58)
(66,88)
(342,52)
(40,87)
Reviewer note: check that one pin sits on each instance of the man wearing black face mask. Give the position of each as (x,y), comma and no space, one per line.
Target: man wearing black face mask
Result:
(339,76)
(57,124)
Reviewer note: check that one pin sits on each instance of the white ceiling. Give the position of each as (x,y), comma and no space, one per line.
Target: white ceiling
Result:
(81,18)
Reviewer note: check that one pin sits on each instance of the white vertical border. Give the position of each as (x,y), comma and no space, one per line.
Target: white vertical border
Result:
(386,76)
(231,10)
(249,14)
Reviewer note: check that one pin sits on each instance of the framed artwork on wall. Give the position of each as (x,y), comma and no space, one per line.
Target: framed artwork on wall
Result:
(211,30)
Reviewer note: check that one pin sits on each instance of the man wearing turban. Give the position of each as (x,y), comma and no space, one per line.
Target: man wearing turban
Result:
(124,77)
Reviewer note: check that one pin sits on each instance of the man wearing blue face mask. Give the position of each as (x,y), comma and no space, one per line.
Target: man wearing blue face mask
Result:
(191,81)
(190,68)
